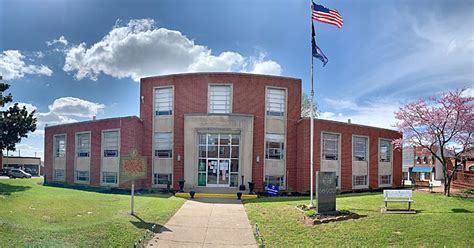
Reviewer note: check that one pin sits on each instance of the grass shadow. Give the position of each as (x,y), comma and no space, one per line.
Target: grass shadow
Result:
(141,224)
(8,189)
(453,211)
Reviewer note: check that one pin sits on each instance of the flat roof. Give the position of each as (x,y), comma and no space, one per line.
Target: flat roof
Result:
(96,120)
(220,73)
(20,157)
(352,124)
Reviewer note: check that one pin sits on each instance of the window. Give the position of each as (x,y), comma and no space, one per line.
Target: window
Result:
(386,179)
(83,144)
(59,174)
(275,180)
(82,176)
(405,176)
(418,159)
(360,149)
(161,178)
(60,146)
(385,150)
(425,159)
(163,145)
(359,180)
(164,101)
(109,177)
(276,102)
(274,146)
(330,146)
(219,99)
(110,143)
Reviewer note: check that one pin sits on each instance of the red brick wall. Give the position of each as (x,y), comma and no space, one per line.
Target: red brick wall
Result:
(346,130)
(190,96)
(420,152)
(130,137)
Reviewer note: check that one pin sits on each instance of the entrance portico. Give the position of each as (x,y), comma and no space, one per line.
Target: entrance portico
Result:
(217,152)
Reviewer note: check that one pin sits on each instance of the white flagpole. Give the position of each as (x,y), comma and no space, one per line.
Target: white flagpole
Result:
(311,138)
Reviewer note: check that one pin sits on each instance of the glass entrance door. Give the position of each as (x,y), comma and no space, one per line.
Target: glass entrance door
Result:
(224,172)
(218,159)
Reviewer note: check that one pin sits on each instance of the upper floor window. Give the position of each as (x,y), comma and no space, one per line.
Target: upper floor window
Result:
(110,143)
(164,101)
(330,146)
(360,149)
(276,102)
(163,145)
(60,146)
(274,146)
(83,144)
(385,150)
(219,99)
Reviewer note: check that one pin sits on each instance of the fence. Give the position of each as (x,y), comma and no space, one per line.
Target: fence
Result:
(464,178)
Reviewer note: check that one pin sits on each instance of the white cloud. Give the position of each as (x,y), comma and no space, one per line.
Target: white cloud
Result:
(468,92)
(378,112)
(63,110)
(13,66)
(140,49)
(27,150)
(266,67)
(62,40)
(71,106)
(417,53)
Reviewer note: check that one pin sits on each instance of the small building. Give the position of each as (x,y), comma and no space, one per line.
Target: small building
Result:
(32,165)
(218,131)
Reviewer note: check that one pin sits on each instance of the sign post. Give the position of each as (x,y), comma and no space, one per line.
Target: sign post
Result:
(132,167)
(133,198)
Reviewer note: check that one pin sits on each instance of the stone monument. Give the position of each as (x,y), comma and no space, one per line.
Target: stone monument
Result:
(326,192)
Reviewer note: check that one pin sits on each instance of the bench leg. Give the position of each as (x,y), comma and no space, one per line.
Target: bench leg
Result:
(409,205)
(385,205)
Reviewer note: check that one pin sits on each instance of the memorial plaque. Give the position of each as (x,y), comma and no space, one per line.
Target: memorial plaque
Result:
(326,192)
(132,167)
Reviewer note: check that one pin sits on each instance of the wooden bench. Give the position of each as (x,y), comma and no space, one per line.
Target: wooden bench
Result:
(402,195)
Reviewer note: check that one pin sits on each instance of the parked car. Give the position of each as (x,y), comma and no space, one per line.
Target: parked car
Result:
(4,171)
(18,173)
(30,171)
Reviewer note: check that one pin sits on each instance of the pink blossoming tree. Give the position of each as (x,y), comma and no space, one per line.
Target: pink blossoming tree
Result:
(443,124)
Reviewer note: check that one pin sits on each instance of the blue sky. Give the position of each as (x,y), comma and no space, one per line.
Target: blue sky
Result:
(71,60)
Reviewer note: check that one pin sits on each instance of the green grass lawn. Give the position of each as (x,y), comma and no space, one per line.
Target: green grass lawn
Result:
(441,221)
(36,215)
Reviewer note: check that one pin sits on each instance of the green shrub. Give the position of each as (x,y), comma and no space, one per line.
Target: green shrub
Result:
(310,213)
(344,211)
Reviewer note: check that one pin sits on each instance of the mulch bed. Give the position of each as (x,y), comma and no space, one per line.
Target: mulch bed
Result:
(318,219)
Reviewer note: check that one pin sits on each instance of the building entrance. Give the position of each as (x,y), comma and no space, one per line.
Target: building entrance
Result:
(218,159)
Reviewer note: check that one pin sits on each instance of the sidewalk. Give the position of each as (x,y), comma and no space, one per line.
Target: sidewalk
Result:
(207,223)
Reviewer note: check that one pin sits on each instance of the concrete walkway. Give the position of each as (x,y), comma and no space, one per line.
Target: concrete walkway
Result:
(207,223)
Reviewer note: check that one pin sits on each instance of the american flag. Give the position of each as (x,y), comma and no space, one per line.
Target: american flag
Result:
(329,16)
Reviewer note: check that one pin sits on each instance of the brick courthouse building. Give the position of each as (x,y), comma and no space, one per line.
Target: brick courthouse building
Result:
(215,129)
